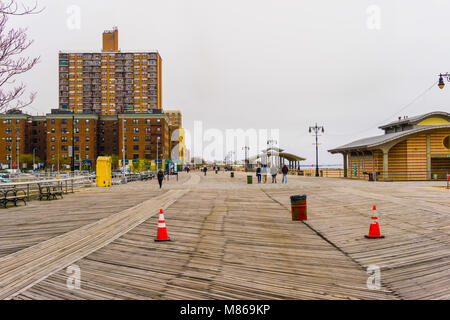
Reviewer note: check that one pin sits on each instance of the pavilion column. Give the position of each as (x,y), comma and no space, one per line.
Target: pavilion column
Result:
(345,165)
(385,164)
(428,157)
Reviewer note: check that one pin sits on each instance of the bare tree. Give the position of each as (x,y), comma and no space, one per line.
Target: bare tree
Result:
(13,42)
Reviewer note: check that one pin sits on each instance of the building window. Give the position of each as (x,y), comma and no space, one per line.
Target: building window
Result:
(87,139)
(53,139)
(8,148)
(53,148)
(136,147)
(147,138)
(53,121)
(135,138)
(8,131)
(87,148)
(135,156)
(64,121)
(136,130)
(135,121)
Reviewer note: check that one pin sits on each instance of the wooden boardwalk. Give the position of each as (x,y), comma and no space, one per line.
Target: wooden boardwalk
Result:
(236,241)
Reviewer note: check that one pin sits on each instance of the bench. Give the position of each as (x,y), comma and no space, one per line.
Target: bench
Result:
(49,191)
(13,195)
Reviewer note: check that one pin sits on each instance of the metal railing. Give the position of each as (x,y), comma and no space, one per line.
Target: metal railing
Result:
(67,184)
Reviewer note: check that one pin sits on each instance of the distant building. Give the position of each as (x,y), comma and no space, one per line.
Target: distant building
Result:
(14,135)
(177,135)
(59,135)
(415,148)
(110,82)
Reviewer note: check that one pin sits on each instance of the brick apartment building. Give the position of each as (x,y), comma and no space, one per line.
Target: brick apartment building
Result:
(54,136)
(106,99)
(110,82)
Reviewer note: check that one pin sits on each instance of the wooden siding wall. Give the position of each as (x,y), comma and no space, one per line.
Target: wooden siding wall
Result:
(397,161)
(364,163)
(436,141)
(417,158)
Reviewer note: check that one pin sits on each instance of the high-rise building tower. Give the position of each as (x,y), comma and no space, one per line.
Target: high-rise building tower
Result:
(110,82)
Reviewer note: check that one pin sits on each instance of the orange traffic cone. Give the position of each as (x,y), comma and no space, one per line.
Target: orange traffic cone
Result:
(374,231)
(162,230)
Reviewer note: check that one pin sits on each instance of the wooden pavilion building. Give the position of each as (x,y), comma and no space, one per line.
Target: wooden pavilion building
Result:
(416,148)
(278,157)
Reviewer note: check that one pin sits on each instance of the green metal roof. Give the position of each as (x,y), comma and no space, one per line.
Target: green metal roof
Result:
(14,116)
(142,115)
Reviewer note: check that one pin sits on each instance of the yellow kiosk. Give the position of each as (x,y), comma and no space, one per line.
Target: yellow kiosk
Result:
(103,172)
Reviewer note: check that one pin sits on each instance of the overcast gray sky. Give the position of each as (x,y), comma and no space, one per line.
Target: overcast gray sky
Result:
(265,63)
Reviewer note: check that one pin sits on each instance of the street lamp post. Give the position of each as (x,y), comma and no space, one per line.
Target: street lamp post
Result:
(441,83)
(34,157)
(73,145)
(18,152)
(157,153)
(246,149)
(123,146)
(316,130)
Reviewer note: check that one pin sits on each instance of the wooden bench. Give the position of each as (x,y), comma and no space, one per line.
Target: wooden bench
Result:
(13,195)
(49,191)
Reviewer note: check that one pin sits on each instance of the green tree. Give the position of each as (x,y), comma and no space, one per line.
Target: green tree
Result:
(114,161)
(140,165)
(63,161)
(28,159)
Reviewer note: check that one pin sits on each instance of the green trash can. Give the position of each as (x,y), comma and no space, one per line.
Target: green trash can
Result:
(249,179)
(299,207)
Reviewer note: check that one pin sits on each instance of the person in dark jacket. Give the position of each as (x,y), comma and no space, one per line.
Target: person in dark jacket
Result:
(160,177)
(285,171)
(205,169)
(258,174)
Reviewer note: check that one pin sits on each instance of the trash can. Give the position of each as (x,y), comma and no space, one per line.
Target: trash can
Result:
(232,174)
(249,179)
(299,208)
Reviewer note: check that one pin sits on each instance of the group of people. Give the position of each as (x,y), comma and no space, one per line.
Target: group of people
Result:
(261,173)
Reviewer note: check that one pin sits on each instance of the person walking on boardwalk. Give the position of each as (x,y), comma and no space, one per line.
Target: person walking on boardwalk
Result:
(285,171)
(205,169)
(258,174)
(264,173)
(273,172)
(160,177)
